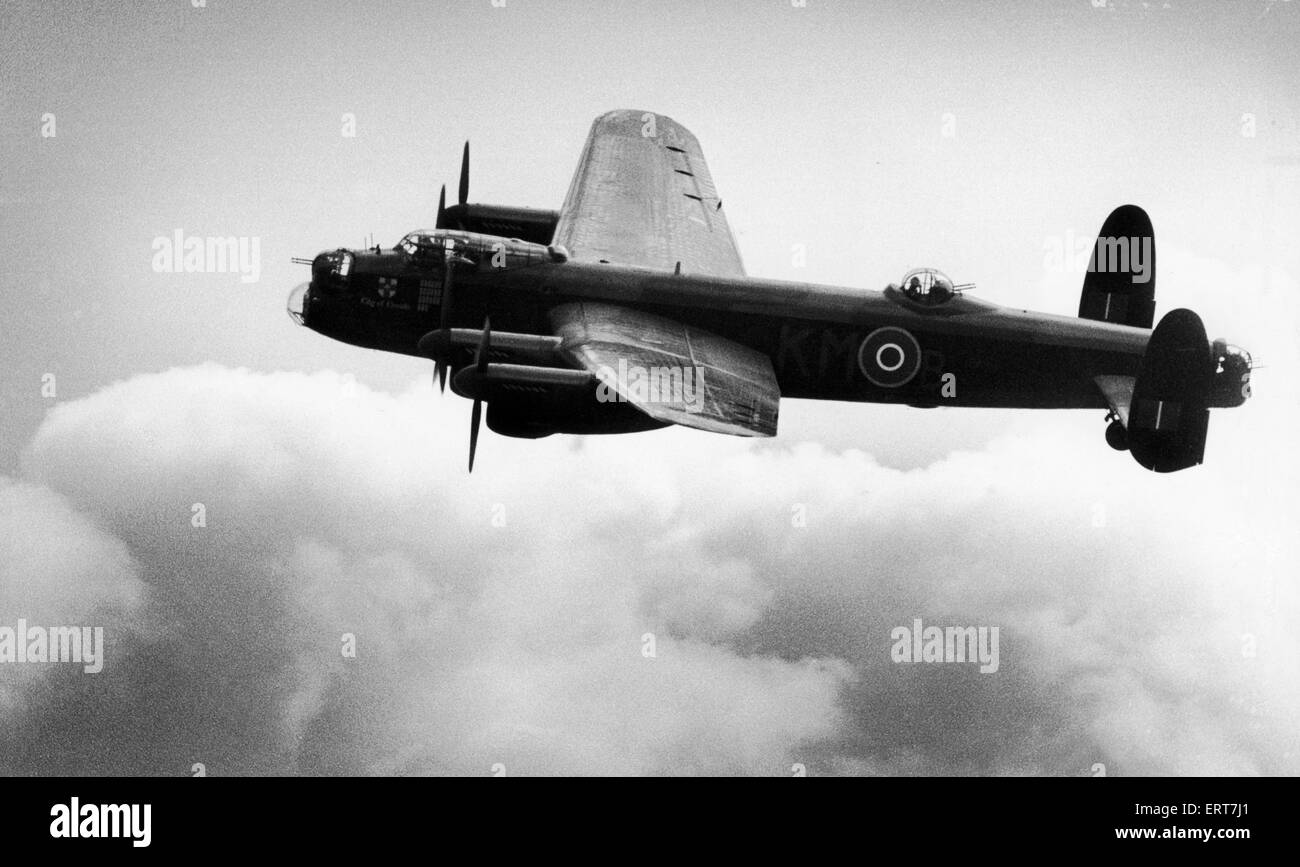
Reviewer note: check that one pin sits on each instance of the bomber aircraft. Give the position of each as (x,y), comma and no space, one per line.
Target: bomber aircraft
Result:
(628,309)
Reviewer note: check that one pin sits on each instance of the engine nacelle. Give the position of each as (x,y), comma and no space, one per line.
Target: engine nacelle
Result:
(531,417)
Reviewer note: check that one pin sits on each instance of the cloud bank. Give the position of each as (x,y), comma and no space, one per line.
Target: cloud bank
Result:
(669,603)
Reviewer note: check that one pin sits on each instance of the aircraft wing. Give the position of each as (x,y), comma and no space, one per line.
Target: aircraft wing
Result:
(671,372)
(643,196)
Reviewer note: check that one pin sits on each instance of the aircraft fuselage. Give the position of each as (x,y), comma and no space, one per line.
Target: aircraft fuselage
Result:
(968,353)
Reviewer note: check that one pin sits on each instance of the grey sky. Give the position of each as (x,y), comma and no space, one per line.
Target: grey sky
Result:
(881,136)
(823,126)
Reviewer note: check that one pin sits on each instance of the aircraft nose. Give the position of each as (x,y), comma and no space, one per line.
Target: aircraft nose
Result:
(297,303)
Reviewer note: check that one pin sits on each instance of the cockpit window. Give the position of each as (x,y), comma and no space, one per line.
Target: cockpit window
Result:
(928,286)
(420,244)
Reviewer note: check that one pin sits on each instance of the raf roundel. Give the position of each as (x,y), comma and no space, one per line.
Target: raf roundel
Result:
(889,357)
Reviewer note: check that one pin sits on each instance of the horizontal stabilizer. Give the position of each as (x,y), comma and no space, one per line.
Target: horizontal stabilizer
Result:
(1120,286)
(1168,416)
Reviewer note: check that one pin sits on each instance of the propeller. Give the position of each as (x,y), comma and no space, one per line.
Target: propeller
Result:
(444,314)
(444,319)
(463,192)
(480,366)
(440,367)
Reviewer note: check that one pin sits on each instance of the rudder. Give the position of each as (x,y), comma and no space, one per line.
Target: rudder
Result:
(1120,286)
(1169,416)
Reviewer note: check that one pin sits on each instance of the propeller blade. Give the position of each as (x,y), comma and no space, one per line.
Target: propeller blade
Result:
(474,420)
(464,175)
(441,222)
(444,309)
(481,365)
(444,313)
(484,343)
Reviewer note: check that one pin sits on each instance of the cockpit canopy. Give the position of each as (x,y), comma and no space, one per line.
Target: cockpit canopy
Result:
(428,248)
(420,242)
(927,286)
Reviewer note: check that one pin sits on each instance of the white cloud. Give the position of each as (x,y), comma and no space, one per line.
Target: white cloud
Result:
(332,509)
(59,569)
